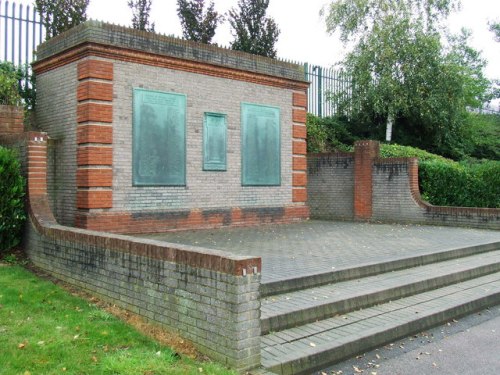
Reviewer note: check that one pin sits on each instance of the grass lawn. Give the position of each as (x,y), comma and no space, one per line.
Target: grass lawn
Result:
(44,329)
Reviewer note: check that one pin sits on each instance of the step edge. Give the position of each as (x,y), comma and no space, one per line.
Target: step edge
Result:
(388,335)
(343,306)
(371,269)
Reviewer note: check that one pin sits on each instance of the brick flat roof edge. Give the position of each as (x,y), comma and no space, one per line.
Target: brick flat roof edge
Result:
(124,37)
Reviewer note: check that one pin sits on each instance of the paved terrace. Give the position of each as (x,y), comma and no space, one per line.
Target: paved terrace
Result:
(313,247)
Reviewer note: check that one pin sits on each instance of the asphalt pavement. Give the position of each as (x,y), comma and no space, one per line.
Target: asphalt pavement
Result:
(466,346)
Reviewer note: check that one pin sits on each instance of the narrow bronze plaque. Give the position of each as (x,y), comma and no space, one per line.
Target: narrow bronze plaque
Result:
(261,145)
(214,142)
(159,138)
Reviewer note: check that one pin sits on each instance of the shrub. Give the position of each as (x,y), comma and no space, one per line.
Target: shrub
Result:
(459,184)
(327,134)
(12,214)
(9,83)
(444,182)
(398,151)
(17,85)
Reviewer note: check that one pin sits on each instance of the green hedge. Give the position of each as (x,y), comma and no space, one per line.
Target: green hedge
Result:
(12,214)
(444,182)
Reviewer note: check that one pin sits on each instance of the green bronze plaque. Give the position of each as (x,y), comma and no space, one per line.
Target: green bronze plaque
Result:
(260,145)
(159,138)
(214,142)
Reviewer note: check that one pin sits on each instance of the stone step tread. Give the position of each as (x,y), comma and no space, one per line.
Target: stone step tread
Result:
(319,296)
(342,272)
(281,349)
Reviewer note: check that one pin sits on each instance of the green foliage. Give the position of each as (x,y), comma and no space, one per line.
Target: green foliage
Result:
(140,14)
(51,331)
(402,70)
(398,151)
(253,32)
(17,85)
(444,182)
(9,83)
(463,185)
(12,213)
(485,134)
(197,23)
(495,28)
(327,134)
(59,16)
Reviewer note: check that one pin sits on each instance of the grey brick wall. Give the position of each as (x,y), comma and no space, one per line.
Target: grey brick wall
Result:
(331,195)
(394,202)
(217,311)
(331,185)
(204,189)
(392,199)
(56,115)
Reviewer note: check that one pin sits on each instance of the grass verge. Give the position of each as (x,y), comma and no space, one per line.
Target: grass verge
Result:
(44,329)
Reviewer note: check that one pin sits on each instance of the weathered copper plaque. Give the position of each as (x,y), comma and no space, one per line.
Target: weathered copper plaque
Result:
(214,142)
(260,146)
(159,138)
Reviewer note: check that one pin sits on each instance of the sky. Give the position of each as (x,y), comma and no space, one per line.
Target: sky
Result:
(303,35)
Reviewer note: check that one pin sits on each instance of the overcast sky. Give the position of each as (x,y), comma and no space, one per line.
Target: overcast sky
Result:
(303,37)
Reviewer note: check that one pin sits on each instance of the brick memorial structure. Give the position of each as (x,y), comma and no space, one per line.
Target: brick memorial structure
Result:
(149,133)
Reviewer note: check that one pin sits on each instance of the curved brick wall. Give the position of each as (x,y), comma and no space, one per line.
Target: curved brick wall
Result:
(362,186)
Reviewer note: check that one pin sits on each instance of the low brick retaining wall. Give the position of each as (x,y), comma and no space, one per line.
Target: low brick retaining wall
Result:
(363,186)
(209,297)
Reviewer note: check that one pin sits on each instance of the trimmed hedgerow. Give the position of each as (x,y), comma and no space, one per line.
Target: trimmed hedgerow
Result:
(460,184)
(444,182)
(12,214)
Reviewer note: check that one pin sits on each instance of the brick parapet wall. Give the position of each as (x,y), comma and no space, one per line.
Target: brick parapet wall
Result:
(200,55)
(397,199)
(394,193)
(209,297)
(11,120)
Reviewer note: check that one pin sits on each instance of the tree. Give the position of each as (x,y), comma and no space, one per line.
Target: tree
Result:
(404,73)
(198,24)
(61,15)
(140,15)
(253,32)
(495,28)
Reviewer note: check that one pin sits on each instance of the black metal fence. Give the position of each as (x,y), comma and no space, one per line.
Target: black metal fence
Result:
(21,31)
(328,87)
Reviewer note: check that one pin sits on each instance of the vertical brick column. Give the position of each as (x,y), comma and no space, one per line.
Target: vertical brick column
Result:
(299,148)
(37,164)
(94,137)
(365,153)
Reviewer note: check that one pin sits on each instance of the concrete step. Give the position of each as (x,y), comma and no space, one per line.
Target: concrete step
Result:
(371,268)
(313,346)
(300,307)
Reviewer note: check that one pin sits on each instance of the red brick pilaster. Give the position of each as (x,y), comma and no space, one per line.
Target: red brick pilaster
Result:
(94,137)
(37,164)
(299,147)
(365,153)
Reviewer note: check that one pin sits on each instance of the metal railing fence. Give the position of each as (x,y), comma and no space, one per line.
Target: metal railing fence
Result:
(21,31)
(328,87)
